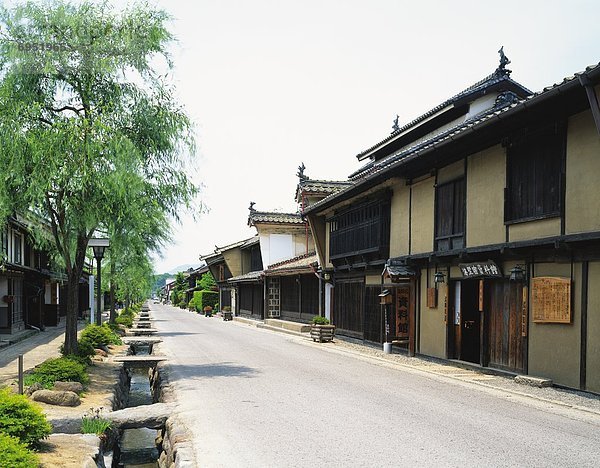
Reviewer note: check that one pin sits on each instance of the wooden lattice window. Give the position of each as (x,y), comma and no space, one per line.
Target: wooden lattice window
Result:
(450,215)
(535,175)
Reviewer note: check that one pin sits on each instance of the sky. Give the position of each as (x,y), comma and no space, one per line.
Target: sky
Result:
(273,84)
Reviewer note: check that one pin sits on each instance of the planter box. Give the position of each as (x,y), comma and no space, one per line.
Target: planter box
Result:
(322,333)
(227,316)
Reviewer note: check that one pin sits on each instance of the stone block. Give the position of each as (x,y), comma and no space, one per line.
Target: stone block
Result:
(533,381)
(53,397)
(74,387)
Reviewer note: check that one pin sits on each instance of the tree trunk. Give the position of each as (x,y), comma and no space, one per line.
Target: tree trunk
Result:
(113,312)
(72,312)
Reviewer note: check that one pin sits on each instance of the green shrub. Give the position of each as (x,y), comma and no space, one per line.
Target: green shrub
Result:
(85,350)
(63,369)
(205,298)
(15,454)
(192,304)
(319,320)
(22,419)
(174,297)
(125,318)
(99,335)
(114,327)
(183,303)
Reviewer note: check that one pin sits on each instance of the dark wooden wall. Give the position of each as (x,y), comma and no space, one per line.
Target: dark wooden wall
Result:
(251,300)
(506,345)
(348,297)
(374,320)
(299,297)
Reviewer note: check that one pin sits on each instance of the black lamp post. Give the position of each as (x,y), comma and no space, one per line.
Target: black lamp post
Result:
(99,246)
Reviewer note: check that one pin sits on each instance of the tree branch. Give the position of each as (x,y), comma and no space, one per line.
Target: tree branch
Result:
(64,108)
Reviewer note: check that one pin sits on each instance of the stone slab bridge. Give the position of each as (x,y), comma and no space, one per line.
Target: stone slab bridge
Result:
(139,361)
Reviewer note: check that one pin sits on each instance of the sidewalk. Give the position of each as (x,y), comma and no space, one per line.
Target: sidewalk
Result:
(35,349)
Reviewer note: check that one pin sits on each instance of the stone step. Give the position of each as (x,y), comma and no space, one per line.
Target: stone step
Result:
(533,381)
(280,330)
(247,321)
(287,325)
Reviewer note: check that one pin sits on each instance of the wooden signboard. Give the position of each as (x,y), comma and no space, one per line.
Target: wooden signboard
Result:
(431,298)
(551,299)
(524,304)
(402,303)
(480,295)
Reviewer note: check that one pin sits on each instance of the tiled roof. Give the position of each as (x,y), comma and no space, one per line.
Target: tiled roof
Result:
(219,250)
(325,187)
(251,276)
(488,81)
(296,264)
(252,241)
(409,154)
(256,217)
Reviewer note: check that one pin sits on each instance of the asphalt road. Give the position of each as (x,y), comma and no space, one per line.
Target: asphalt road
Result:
(257,398)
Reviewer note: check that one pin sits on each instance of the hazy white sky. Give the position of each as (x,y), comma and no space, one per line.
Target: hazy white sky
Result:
(271,84)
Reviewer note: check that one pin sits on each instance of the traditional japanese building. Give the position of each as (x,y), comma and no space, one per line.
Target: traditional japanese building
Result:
(248,299)
(30,289)
(227,262)
(481,218)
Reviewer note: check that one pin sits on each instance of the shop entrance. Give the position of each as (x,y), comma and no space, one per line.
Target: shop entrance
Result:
(465,322)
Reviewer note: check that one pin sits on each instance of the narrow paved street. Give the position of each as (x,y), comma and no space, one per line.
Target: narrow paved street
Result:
(257,398)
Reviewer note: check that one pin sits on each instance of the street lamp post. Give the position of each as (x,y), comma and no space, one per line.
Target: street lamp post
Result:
(99,246)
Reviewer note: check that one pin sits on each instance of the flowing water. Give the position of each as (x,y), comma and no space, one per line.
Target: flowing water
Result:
(137,446)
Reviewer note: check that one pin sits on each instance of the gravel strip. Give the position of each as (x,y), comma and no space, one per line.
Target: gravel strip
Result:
(573,398)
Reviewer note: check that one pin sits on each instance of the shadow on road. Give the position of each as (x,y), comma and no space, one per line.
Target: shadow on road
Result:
(179,333)
(221,369)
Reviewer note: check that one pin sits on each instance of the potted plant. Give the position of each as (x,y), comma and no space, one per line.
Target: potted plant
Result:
(207,311)
(321,329)
(227,315)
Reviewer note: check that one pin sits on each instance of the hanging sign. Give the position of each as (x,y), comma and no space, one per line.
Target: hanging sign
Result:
(487,269)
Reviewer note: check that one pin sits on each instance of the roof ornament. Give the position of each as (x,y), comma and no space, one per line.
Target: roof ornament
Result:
(506,98)
(502,70)
(301,174)
(395,126)
(251,207)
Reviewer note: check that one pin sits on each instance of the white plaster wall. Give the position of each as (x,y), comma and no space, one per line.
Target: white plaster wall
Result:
(276,247)
(265,249)
(481,104)
(282,247)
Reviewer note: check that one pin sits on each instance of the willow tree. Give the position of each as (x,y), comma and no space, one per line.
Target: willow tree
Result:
(88,124)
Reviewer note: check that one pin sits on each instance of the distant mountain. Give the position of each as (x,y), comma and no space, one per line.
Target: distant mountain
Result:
(159,281)
(184,267)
